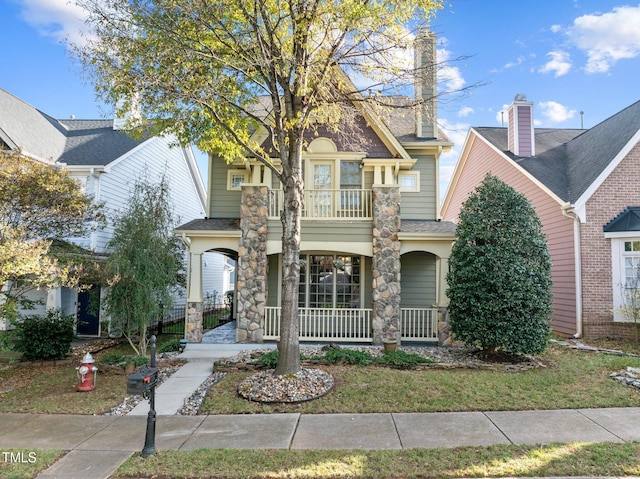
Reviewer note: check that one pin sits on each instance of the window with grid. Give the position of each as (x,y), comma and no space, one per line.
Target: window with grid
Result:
(329,281)
(631,258)
(350,179)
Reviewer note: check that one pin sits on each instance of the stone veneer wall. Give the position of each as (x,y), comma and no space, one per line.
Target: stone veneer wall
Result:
(193,327)
(386,263)
(252,264)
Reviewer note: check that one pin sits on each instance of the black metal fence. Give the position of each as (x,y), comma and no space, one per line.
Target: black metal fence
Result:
(173,320)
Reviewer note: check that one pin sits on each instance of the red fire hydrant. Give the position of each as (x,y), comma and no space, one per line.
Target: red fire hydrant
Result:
(86,373)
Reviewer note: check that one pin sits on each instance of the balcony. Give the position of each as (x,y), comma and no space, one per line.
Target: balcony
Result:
(327,204)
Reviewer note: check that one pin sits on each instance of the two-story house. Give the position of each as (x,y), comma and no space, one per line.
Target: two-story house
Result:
(373,250)
(106,162)
(583,184)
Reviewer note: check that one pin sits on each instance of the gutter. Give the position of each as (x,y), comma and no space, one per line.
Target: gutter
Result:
(568,211)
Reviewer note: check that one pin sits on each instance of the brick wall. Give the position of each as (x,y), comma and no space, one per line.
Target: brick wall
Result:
(617,192)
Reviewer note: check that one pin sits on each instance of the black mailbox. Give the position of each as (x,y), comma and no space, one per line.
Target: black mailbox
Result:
(142,381)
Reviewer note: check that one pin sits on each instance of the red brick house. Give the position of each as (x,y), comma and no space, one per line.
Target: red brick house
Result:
(583,185)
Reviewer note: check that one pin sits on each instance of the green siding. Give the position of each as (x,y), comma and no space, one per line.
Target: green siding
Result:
(273,276)
(418,280)
(312,230)
(367,285)
(422,205)
(223,203)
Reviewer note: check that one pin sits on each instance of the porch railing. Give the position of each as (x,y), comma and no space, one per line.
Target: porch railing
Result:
(327,204)
(352,325)
(419,324)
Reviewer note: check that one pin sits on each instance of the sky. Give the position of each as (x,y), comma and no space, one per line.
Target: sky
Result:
(578,61)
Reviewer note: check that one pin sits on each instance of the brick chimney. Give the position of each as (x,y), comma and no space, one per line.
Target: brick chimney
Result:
(520,128)
(425,85)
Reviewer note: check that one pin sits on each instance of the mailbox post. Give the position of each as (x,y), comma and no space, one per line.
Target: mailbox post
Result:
(144,382)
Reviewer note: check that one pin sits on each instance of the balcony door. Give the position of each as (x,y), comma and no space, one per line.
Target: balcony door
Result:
(322,195)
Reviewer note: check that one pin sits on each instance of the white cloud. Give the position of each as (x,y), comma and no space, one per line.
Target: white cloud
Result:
(607,38)
(465,111)
(501,115)
(555,112)
(449,74)
(560,63)
(457,133)
(556,28)
(519,61)
(58,19)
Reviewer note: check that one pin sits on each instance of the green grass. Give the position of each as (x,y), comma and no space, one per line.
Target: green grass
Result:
(26,463)
(581,459)
(573,379)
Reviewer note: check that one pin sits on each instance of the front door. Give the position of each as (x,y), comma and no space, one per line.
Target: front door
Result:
(88,323)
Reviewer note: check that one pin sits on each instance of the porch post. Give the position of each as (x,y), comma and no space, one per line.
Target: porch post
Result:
(193,321)
(386,263)
(252,264)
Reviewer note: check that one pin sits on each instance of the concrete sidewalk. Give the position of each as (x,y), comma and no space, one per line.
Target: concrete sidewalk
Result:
(99,444)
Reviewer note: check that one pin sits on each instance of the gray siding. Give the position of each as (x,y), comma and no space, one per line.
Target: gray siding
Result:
(222,203)
(422,205)
(418,280)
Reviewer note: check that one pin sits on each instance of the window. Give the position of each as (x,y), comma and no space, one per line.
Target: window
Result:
(409,182)
(350,179)
(625,255)
(235,178)
(329,281)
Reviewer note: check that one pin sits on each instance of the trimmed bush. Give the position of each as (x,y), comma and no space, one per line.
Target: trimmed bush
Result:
(46,337)
(500,273)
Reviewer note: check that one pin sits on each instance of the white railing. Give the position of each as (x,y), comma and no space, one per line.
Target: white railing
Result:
(352,325)
(324,324)
(327,204)
(419,324)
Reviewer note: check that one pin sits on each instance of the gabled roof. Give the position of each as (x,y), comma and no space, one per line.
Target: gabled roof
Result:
(94,142)
(27,128)
(569,162)
(74,142)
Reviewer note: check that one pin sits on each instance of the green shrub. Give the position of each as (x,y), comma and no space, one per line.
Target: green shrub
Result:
(45,337)
(348,356)
(403,360)
(170,346)
(270,359)
(140,360)
(113,358)
(500,273)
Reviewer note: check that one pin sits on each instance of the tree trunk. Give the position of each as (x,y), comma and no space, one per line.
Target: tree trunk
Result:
(289,350)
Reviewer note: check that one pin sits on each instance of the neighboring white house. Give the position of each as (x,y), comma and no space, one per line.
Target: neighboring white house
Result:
(107,162)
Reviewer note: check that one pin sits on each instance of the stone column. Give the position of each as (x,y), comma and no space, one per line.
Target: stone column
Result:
(445,337)
(252,264)
(193,321)
(386,263)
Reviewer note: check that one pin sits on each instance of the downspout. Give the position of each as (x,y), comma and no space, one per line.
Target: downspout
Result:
(568,212)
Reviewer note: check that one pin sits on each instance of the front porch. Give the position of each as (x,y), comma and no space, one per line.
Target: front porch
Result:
(353,325)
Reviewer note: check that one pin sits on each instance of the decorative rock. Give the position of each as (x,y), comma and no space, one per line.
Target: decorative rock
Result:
(305,385)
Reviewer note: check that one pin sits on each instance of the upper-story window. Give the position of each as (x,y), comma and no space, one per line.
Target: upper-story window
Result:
(235,179)
(409,181)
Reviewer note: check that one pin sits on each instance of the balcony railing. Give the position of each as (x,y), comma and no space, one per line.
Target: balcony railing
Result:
(352,325)
(327,204)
